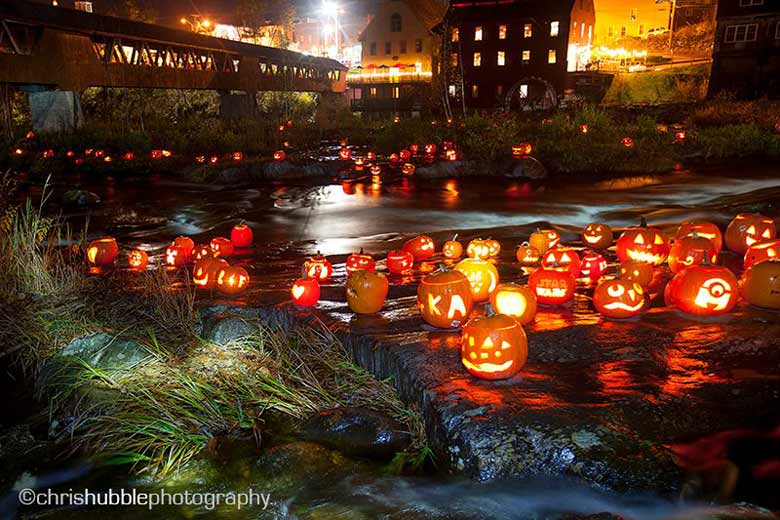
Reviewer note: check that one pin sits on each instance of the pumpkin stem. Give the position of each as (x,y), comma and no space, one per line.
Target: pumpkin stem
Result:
(304,274)
(361,250)
(442,267)
(489,310)
(642,221)
(454,237)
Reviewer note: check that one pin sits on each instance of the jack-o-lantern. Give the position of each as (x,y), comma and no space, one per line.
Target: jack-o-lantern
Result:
(527,255)
(516,301)
(452,249)
(393,158)
(430,149)
(584,128)
(540,241)
(691,250)
(482,275)
(493,347)
(451,155)
(361,260)
(366,291)
(399,262)
(375,169)
(318,267)
(478,248)
(762,252)
(494,247)
(639,272)
(748,229)
(703,289)
(405,155)
(201,252)
(221,247)
(562,259)
(280,155)
(176,256)
(232,280)
(592,267)
(761,284)
(204,274)
(137,259)
(619,298)
(345,154)
(102,252)
(521,150)
(371,156)
(552,287)
(444,298)
(413,148)
(305,291)
(241,235)
(643,244)
(597,236)
(627,142)
(707,230)
(187,243)
(360,163)
(408,169)
(421,247)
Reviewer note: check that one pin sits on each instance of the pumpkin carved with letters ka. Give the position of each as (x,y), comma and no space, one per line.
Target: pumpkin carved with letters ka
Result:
(444,298)
(493,347)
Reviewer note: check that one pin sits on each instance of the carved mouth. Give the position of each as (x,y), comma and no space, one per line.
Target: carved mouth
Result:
(487,367)
(624,307)
(645,257)
(592,240)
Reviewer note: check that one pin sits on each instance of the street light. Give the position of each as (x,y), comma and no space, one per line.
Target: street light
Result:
(332,9)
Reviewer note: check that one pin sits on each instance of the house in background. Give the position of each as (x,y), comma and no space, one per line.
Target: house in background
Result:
(399,58)
(510,53)
(618,19)
(746,57)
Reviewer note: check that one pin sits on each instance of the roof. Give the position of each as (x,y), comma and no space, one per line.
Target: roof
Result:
(429,12)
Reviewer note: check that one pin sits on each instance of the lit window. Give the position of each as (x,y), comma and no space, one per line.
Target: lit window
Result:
(418,45)
(502,32)
(372,91)
(526,56)
(478,33)
(523,91)
(554,28)
(477,59)
(395,23)
(527,31)
(396,92)
(501,61)
(551,58)
(474,90)
(454,59)
(451,90)
(741,33)
(455,35)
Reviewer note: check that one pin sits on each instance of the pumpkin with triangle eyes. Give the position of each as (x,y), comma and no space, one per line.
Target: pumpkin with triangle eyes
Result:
(562,259)
(516,301)
(360,260)
(762,252)
(444,298)
(528,255)
(639,272)
(643,244)
(481,274)
(691,250)
(493,347)
(748,229)
(421,247)
(597,236)
(592,267)
(452,249)
(703,289)
(707,230)
(201,252)
(619,298)
(761,284)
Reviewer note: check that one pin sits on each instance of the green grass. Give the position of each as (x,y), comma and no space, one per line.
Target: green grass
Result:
(670,85)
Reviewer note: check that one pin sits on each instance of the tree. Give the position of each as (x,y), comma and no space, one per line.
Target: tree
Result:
(138,10)
(271,20)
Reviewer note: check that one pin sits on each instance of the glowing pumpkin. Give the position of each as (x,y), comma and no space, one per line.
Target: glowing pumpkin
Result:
(414,149)
(639,272)
(643,244)
(393,158)
(703,290)
(421,247)
(619,298)
(762,252)
(444,298)
(592,267)
(360,163)
(318,267)
(221,247)
(552,287)
(366,291)
(627,142)
(201,252)
(494,247)
(405,155)
(176,256)
(493,347)
(371,156)
(102,252)
(691,250)
(408,169)
(597,236)
(204,274)
(345,154)
(360,260)
(478,248)
(232,280)
(241,235)
(399,262)
(521,150)
(584,129)
(527,255)
(562,259)
(516,301)
(280,155)
(707,230)
(451,155)
(305,292)
(761,284)
(186,243)
(375,169)
(540,241)
(452,249)
(137,259)
(748,229)
(481,274)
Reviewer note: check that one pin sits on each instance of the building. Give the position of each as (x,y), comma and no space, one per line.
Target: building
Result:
(515,53)
(616,19)
(399,58)
(746,56)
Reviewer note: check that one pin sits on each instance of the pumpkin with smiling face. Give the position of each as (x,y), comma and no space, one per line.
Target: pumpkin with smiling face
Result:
(562,259)
(592,267)
(366,291)
(639,272)
(762,252)
(361,260)
(481,274)
(643,244)
(597,236)
(478,249)
(452,249)
(747,230)
(399,262)
(421,247)
(703,290)
(493,347)
(761,284)
(516,301)
(691,250)
(204,274)
(619,298)
(527,255)
(318,267)
(707,230)
(552,287)
(444,298)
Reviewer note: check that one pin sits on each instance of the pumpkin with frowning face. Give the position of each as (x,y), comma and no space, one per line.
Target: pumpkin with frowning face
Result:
(357,261)
(691,250)
(762,252)
(232,280)
(643,244)
(562,259)
(528,255)
(619,298)
(639,272)
(761,284)
(399,262)
(597,236)
(493,347)
(552,287)
(366,291)
(592,267)
(444,298)
(748,229)
(204,274)
(421,247)
(707,230)
(318,267)
(452,249)
(703,290)
(482,275)
(516,301)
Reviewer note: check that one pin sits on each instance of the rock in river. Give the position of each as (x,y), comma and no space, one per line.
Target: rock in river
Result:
(80,198)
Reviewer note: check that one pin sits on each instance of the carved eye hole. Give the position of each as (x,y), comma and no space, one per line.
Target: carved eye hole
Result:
(636,273)
(767,233)
(751,230)
(565,258)
(659,240)
(640,239)
(717,288)
(616,291)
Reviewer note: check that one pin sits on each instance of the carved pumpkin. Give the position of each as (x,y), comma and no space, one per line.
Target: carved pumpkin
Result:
(393,158)
(762,252)
(421,247)
(430,149)
(703,290)
(187,243)
(527,255)
(552,287)
(451,155)
(371,156)
(540,241)
(137,259)
(482,275)
(305,292)
(691,250)
(707,230)
(452,249)
(516,301)
(202,251)
(627,142)
(584,129)
(241,235)
(232,279)
(592,267)
(345,154)
(204,274)
(318,267)
(643,244)
(375,169)
(639,272)
(405,155)
(176,256)
(494,247)
(478,248)
(562,259)
(360,260)
(597,236)
(399,262)
(102,252)
(366,291)
(280,155)
(521,150)
(748,229)
(360,163)
(493,347)
(761,284)
(619,298)
(408,169)
(444,298)
(221,247)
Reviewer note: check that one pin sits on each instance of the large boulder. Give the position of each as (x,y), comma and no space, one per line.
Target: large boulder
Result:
(80,198)
(228,329)
(528,168)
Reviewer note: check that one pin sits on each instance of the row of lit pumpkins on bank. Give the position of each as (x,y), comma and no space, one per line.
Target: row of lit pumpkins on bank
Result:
(495,346)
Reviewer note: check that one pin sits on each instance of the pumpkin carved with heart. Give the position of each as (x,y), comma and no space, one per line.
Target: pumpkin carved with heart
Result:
(493,347)
(444,298)
(619,298)
(597,236)
(366,291)
(516,301)
(481,274)
(703,289)
(643,244)
(305,291)
(747,230)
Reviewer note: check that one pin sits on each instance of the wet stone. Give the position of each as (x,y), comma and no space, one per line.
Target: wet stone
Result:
(80,198)
(222,331)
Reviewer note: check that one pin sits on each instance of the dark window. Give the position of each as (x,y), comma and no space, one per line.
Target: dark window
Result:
(402,45)
(395,23)
(372,50)
(388,48)
(418,45)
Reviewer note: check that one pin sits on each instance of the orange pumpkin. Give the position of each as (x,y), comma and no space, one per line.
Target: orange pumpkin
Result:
(627,142)
(493,347)
(176,256)
(690,250)
(481,274)
(204,274)
(305,291)
(452,249)
(761,284)
(399,262)
(241,235)
(360,260)
(494,247)
(444,298)
(430,149)
(562,259)
(102,252)
(421,247)
(202,251)
(762,252)
(280,155)
(703,290)
(366,291)
(592,267)
(221,247)
(360,163)
(643,244)
(597,236)
(318,267)
(748,229)
(639,272)
(619,298)
(552,287)
(521,150)
(232,280)
(187,243)
(540,240)
(478,248)
(408,169)
(707,230)
(527,255)
(516,301)
(137,259)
